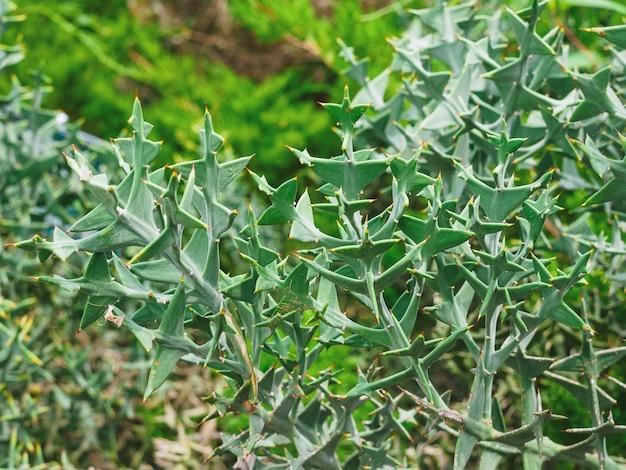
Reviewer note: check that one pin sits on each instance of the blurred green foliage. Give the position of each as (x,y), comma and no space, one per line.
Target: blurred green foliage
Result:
(98,58)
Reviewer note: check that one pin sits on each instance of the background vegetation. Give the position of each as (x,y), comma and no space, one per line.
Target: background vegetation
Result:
(260,67)
(247,61)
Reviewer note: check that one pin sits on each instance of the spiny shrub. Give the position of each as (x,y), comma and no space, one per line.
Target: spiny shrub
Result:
(48,387)
(468,239)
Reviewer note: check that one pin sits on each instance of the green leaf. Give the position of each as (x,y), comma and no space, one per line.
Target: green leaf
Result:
(113,237)
(443,347)
(136,120)
(97,272)
(98,269)
(230,170)
(149,315)
(499,422)
(529,366)
(94,309)
(97,219)
(464,447)
(345,114)
(374,90)
(468,439)
(562,313)
(350,283)
(502,262)
(165,360)
(242,289)
(608,357)
(477,223)
(365,388)
(529,41)
(303,227)
(155,248)
(399,267)
(557,132)
(282,208)
(444,18)
(98,184)
(172,324)
(332,315)
(171,329)
(143,335)
(536,211)
(367,250)
(358,68)
(598,96)
(437,239)
(490,459)
(505,145)
(101,216)
(612,190)
(350,175)
(211,140)
(553,306)
(158,270)
(62,244)
(499,203)
(213,177)
(409,179)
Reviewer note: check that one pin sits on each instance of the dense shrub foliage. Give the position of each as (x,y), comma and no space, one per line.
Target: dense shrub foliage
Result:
(466,244)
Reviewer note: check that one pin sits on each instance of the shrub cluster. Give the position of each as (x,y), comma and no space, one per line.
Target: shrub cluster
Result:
(58,398)
(467,243)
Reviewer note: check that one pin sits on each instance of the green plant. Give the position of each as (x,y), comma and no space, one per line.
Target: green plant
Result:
(464,235)
(48,385)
